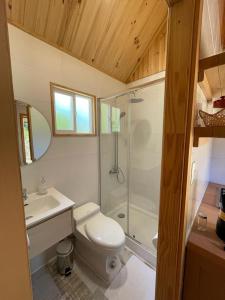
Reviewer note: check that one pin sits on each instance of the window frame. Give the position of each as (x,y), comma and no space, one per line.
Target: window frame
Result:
(69,91)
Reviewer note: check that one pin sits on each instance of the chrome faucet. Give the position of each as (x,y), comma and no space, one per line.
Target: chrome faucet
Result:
(25,194)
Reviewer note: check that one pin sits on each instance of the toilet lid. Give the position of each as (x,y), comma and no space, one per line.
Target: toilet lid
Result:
(105,232)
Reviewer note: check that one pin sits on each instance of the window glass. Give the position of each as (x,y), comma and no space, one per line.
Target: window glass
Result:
(105,118)
(115,119)
(83,114)
(64,114)
(74,112)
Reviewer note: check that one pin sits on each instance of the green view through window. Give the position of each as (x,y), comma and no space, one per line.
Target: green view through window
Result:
(110,118)
(73,112)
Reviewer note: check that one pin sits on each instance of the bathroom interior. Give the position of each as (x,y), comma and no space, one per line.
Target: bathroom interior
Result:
(89,84)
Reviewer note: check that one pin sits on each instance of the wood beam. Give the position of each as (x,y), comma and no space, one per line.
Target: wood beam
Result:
(206,89)
(14,274)
(210,132)
(210,62)
(181,83)
(222,22)
(172,2)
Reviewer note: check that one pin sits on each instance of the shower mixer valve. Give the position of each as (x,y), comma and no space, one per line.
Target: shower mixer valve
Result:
(114,171)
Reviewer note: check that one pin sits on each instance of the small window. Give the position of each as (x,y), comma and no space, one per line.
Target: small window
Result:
(105,118)
(115,119)
(73,112)
(110,118)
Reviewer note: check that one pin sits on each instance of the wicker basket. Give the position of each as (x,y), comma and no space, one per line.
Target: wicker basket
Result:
(217,119)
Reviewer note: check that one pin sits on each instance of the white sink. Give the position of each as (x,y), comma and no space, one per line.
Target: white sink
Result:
(42,205)
(39,208)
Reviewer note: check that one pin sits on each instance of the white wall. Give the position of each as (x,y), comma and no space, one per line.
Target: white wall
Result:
(71,163)
(217,171)
(202,157)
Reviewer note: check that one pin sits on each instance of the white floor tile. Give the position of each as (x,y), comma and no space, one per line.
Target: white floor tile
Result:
(135,281)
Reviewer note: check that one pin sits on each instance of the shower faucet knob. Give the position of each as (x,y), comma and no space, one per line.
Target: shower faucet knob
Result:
(114,171)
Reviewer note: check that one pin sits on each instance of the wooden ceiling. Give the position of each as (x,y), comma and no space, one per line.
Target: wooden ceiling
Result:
(212,81)
(154,58)
(213,31)
(110,35)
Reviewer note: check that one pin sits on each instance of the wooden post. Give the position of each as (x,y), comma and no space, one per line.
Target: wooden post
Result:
(14,264)
(184,25)
(171,2)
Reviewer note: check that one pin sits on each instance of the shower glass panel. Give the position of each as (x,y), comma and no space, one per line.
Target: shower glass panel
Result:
(130,161)
(145,164)
(114,158)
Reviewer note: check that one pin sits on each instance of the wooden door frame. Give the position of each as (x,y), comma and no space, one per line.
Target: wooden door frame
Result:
(184,23)
(15,280)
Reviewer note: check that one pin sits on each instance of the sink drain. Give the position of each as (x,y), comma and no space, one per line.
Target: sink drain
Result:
(121,215)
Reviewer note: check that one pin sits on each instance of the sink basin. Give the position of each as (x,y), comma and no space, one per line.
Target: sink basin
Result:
(38,208)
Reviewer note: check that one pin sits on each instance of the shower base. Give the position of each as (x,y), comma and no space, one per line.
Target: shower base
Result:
(140,229)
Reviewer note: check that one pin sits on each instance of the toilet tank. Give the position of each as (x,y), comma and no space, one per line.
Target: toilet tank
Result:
(84,212)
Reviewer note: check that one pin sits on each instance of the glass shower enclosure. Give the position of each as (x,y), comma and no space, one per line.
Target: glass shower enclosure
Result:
(131,128)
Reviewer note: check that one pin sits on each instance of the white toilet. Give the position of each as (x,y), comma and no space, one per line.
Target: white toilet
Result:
(99,240)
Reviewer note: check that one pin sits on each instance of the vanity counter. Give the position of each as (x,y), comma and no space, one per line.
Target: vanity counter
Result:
(207,241)
(205,255)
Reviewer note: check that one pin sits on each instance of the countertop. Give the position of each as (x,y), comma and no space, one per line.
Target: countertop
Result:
(207,241)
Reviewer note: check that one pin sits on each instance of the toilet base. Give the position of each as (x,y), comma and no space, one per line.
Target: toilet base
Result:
(106,267)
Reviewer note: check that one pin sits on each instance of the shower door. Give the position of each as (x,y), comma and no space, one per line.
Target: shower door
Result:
(130,161)
(114,158)
(146,127)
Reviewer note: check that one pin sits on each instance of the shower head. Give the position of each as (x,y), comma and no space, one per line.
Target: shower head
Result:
(135,99)
(122,114)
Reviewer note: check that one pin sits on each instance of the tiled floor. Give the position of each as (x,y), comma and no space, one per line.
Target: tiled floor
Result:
(49,285)
(82,284)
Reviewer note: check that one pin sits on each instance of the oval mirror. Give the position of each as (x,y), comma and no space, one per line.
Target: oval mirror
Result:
(34,134)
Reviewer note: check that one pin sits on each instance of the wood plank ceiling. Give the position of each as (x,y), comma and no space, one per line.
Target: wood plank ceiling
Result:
(212,33)
(154,58)
(110,35)
(213,42)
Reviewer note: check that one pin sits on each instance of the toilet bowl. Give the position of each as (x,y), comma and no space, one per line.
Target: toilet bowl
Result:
(99,240)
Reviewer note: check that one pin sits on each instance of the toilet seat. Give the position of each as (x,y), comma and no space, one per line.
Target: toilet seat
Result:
(105,232)
(99,240)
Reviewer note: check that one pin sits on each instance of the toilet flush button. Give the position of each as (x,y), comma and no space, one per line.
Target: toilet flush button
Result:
(113,264)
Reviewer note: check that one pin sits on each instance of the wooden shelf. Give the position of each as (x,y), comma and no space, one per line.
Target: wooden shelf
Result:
(210,132)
